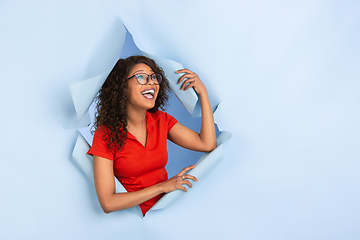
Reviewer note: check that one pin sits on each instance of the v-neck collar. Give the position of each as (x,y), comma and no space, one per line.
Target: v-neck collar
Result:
(151,119)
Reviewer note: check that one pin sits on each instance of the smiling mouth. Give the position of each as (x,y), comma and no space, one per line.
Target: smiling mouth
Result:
(148,93)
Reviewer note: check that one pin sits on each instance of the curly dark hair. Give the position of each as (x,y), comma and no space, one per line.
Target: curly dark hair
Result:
(112,98)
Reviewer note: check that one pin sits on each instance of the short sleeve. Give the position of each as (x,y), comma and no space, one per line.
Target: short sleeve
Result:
(170,120)
(99,145)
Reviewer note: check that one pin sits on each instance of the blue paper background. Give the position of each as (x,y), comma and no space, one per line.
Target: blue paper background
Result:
(287,75)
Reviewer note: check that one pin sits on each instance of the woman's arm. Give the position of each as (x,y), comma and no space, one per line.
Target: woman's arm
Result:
(111,201)
(187,138)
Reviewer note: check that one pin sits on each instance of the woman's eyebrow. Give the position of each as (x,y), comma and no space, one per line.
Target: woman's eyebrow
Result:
(142,71)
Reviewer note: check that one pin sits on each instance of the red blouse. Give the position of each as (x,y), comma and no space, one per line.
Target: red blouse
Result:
(136,166)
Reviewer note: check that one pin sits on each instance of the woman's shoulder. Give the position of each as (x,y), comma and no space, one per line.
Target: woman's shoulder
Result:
(102,129)
(162,118)
(100,133)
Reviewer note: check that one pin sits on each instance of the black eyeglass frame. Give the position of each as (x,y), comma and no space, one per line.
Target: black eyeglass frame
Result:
(157,75)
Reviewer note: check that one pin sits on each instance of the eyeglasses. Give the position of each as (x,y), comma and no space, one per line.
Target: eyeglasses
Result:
(143,78)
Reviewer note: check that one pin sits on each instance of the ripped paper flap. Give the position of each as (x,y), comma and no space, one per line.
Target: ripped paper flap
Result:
(207,162)
(189,98)
(83,93)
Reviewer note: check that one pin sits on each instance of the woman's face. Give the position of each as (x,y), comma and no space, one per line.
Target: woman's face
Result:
(141,96)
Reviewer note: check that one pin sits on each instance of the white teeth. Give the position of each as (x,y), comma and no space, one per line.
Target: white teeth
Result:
(150,91)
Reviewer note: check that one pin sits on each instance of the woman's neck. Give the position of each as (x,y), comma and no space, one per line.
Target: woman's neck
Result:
(135,119)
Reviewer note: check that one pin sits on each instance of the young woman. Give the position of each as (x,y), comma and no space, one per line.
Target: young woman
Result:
(131,134)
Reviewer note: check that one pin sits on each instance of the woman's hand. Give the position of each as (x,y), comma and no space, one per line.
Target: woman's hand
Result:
(185,137)
(177,181)
(192,80)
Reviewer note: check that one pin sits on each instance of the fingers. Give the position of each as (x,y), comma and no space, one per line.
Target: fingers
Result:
(188,176)
(191,79)
(181,187)
(186,83)
(188,183)
(192,84)
(188,75)
(184,71)
(180,179)
(182,172)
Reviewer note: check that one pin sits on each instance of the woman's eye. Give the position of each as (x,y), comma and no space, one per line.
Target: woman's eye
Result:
(140,77)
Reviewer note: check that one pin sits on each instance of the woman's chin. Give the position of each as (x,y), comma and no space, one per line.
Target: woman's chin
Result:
(150,106)
(150,103)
